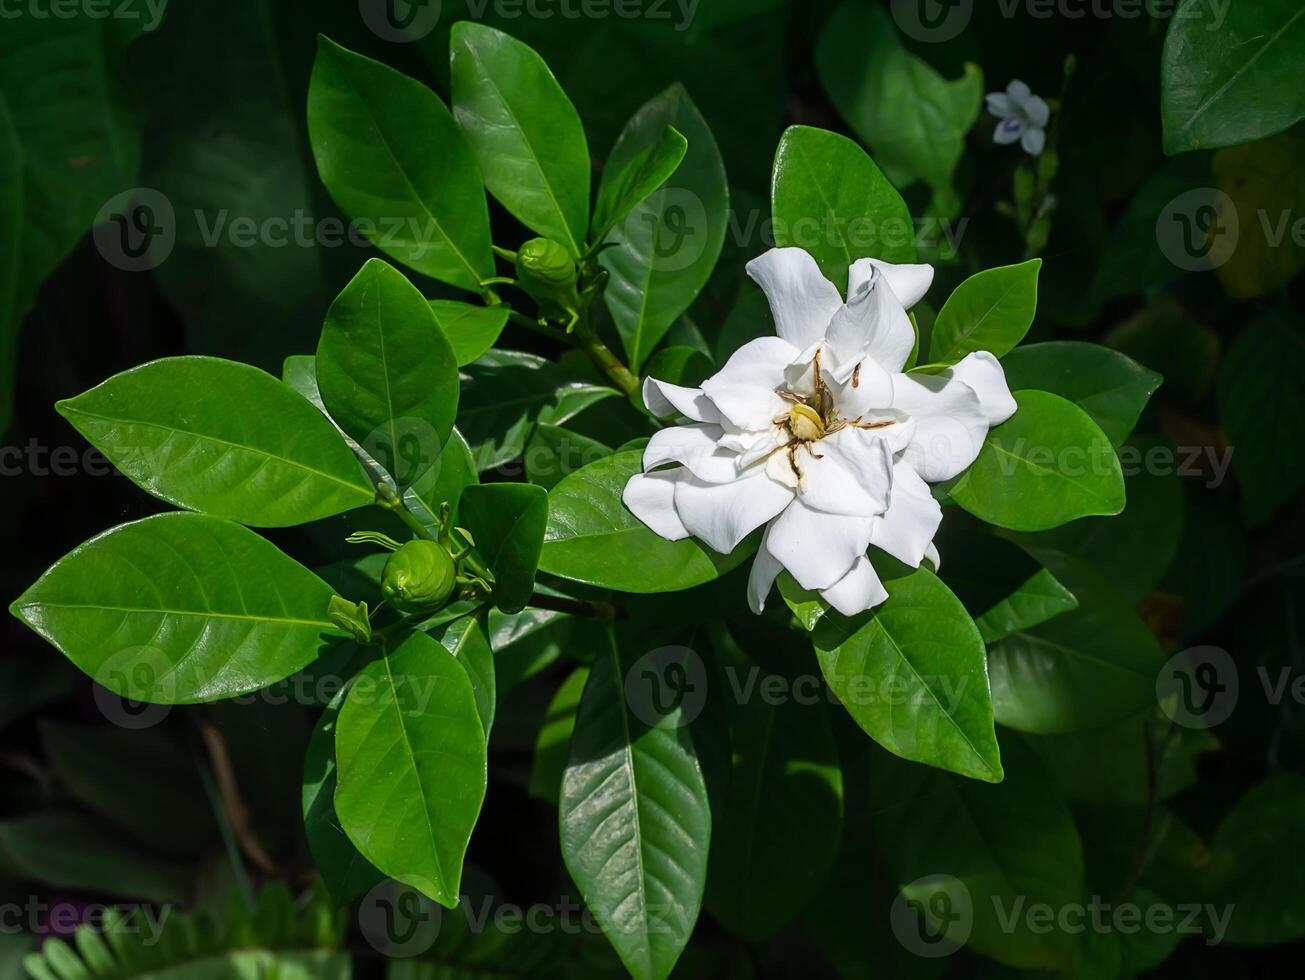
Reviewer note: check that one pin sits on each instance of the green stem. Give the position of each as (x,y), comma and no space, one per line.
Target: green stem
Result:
(393,502)
(609,363)
(578,607)
(540,328)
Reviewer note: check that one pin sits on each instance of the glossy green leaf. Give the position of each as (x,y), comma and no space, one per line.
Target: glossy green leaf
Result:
(912,673)
(345,873)
(624,187)
(180,608)
(553,744)
(828,197)
(1254,865)
(958,846)
(1088,668)
(411,766)
(1169,340)
(1231,81)
(470,330)
(524,132)
(777,835)
(1111,387)
(553,452)
(1046,465)
(455,470)
(914,120)
(668,243)
(507,521)
(395,162)
(990,311)
(635,821)
(593,538)
(221,437)
(387,376)
(1262,406)
(1002,587)
(465,639)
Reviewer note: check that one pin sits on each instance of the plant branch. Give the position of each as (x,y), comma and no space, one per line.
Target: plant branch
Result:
(232,804)
(609,364)
(393,502)
(578,607)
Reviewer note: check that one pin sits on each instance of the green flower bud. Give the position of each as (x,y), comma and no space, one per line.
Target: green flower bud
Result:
(420,575)
(547,272)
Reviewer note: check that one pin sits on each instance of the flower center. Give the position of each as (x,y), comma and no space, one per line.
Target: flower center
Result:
(805,423)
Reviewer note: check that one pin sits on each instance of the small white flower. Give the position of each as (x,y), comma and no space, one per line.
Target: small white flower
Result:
(1023,117)
(818,432)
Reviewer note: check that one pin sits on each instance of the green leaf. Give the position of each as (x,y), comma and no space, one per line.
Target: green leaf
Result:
(635,821)
(180,608)
(990,311)
(914,120)
(221,437)
(806,606)
(465,639)
(678,365)
(1046,465)
(1235,83)
(443,483)
(1167,339)
(507,521)
(68,850)
(1254,868)
(1002,587)
(1088,668)
(956,843)
(524,132)
(470,330)
(666,247)
(346,873)
(395,162)
(911,672)
(412,768)
(553,452)
(828,197)
(386,374)
(1264,184)
(1111,387)
(553,743)
(624,187)
(593,538)
(1263,411)
(777,834)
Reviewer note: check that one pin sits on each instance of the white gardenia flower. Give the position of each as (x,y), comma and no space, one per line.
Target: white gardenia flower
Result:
(1023,117)
(818,432)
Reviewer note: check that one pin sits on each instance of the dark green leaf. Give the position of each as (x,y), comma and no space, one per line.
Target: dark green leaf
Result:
(412,770)
(386,374)
(828,197)
(466,641)
(179,608)
(553,452)
(991,311)
(554,741)
(470,330)
(524,132)
(592,537)
(624,187)
(1046,465)
(221,437)
(395,162)
(507,521)
(912,674)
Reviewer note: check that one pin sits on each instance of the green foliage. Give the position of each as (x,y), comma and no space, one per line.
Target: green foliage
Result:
(990,311)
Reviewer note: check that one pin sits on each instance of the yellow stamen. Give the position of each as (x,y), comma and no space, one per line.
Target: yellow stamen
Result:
(805,423)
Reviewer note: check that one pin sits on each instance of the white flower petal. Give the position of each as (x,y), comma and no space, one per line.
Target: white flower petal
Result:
(817,548)
(664,399)
(907,528)
(910,281)
(932,557)
(1036,111)
(1008,131)
(1033,140)
(950,424)
(984,373)
(873,324)
(765,569)
(857,591)
(723,514)
(999,104)
(845,476)
(697,448)
(802,300)
(651,498)
(744,389)
(867,390)
(1019,93)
